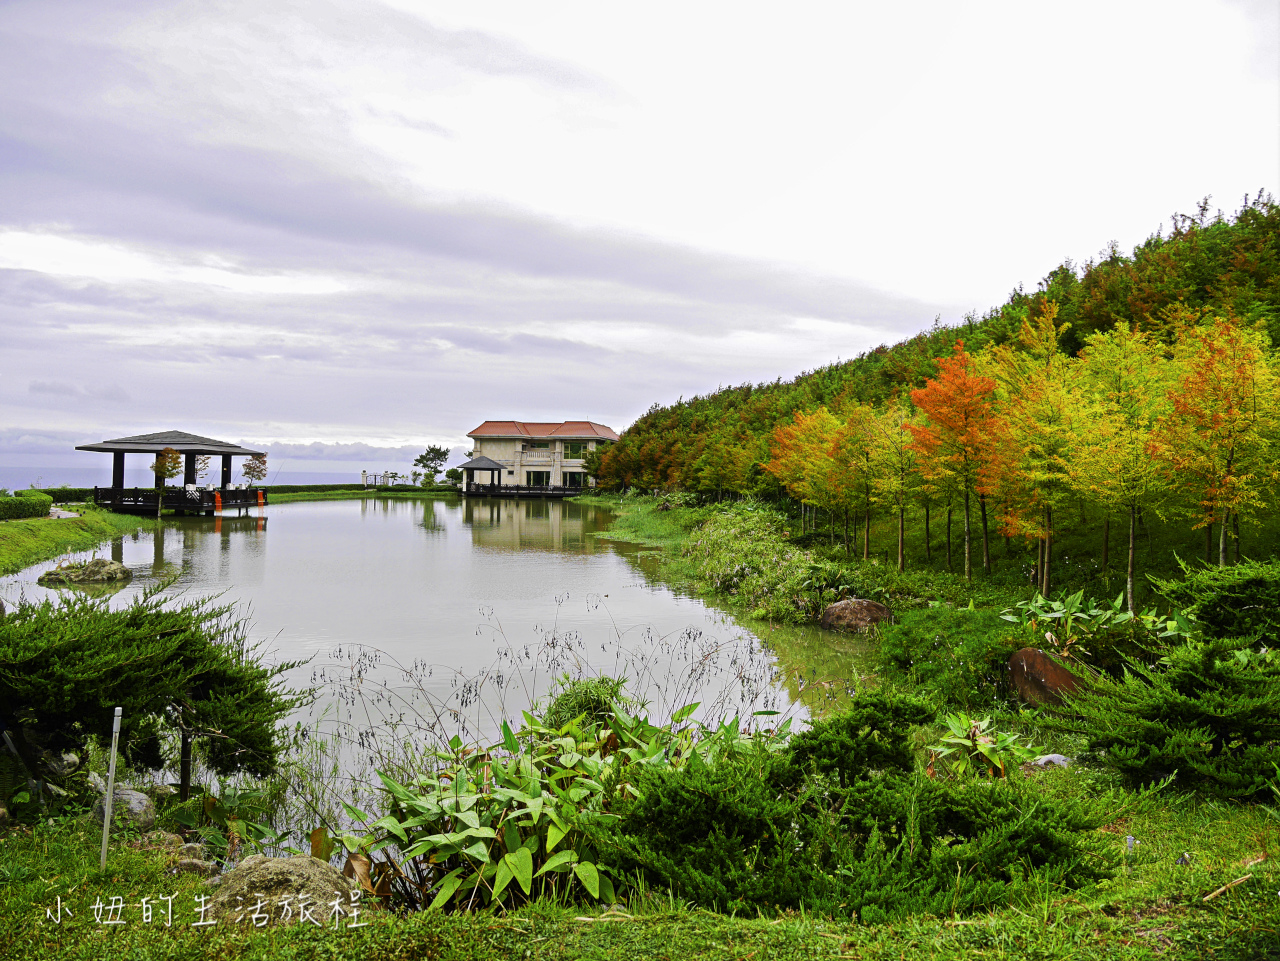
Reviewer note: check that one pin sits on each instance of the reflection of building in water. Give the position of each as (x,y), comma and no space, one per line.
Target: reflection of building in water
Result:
(549,525)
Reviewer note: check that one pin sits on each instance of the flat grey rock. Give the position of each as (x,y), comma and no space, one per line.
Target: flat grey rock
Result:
(1045,760)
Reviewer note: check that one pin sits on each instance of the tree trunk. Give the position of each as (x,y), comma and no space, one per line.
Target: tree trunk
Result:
(968,538)
(866,533)
(1128,581)
(902,530)
(928,554)
(1222,539)
(184,767)
(948,537)
(986,550)
(846,533)
(1106,541)
(1208,543)
(1048,550)
(1235,526)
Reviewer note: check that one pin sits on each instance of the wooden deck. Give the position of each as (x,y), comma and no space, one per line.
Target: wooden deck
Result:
(521,490)
(142,500)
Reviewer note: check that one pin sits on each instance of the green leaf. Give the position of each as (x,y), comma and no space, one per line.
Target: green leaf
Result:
(451,882)
(509,740)
(521,863)
(354,812)
(505,874)
(391,824)
(469,818)
(555,834)
(559,861)
(589,876)
(684,712)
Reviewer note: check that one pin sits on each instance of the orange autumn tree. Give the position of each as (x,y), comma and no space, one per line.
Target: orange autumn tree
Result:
(1218,436)
(1042,416)
(955,445)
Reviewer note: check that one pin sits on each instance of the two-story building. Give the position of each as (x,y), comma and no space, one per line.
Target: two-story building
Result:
(526,454)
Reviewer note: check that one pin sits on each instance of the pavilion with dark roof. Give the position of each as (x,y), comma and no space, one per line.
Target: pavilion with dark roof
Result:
(191,447)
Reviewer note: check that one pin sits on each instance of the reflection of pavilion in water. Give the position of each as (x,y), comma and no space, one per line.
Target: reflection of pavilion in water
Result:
(533,525)
(188,533)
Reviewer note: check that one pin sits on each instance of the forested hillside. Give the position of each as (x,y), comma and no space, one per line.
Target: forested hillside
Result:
(1142,384)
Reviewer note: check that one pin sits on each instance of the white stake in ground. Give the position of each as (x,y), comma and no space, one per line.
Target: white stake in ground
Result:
(111,787)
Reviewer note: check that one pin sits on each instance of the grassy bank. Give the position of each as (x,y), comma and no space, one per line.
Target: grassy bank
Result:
(1155,908)
(27,542)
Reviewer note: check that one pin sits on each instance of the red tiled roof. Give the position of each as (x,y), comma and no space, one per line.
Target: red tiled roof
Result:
(568,428)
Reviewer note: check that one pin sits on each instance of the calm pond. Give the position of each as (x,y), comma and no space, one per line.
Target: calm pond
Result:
(473,606)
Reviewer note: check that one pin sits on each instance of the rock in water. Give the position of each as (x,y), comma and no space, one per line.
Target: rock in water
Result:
(281,888)
(1040,679)
(854,615)
(97,571)
(133,806)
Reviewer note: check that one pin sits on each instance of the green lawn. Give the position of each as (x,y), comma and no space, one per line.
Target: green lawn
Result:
(1155,909)
(27,542)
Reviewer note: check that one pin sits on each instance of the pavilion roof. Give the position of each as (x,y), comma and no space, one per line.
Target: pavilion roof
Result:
(585,429)
(481,463)
(179,440)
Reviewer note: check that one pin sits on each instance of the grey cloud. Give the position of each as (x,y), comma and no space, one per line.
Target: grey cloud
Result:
(337,452)
(456,313)
(112,393)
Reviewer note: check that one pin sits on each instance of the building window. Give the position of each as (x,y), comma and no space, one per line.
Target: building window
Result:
(574,478)
(539,445)
(511,473)
(575,449)
(538,478)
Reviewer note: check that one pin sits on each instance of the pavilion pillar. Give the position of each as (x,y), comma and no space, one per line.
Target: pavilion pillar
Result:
(226,471)
(189,469)
(117,468)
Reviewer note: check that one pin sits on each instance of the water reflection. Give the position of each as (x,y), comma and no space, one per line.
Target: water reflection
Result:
(456,589)
(537,524)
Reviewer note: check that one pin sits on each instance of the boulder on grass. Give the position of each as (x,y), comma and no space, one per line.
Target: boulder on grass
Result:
(280,888)
(1039,679)
(854,615)
(133,807)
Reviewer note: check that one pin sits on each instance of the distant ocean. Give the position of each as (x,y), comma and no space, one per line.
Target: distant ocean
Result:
(16,477)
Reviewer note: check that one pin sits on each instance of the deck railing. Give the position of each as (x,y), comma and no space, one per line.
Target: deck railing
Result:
(195,500)
(522,490)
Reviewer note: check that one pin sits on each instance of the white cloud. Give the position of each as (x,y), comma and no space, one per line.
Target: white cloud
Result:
(116,263)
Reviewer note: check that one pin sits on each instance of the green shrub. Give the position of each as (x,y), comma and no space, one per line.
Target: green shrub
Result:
(1240,601)
(25,503)
(956,656)
(66,664)
(68,495)
(840,824)
(593,697)
(1207,713)
(740,552)
(522,819)
(871,735)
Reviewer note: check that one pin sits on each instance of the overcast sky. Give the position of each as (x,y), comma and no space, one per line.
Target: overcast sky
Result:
(380,223)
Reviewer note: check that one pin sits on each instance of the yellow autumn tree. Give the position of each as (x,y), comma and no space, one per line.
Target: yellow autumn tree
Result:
(1125,382)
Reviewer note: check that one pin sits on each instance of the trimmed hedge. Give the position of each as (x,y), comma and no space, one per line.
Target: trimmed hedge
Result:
(66,495)
(26,503)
